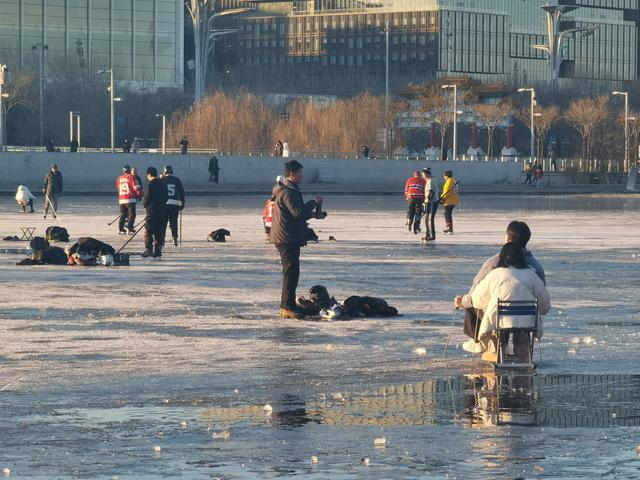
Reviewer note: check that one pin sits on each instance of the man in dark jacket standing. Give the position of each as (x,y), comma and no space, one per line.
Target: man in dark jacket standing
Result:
(155,201)
(52,189)
(289,232)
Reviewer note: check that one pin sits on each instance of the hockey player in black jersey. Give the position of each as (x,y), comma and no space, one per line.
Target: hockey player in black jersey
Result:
(175,200)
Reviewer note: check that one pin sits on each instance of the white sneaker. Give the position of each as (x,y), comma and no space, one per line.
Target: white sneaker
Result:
(472,346)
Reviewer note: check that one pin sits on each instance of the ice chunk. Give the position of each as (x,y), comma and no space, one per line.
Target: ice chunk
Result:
(364,461)
(379,442)
(223,435)
(588,340)
(6,472)
(314,460)
(157,448)
(184,424)
(420,351)
(575,340)
(268,409)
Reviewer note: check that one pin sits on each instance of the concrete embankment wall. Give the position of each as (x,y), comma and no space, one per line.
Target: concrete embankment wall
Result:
(96,172)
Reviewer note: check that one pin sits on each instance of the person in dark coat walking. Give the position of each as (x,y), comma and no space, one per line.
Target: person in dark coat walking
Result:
(52,189)
(155,201)
(184,145)
(289,232)
(214,170)
(126,145)
(175,201)
(73,146)
(50,146)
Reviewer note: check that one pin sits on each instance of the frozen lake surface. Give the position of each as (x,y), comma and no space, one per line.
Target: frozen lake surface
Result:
(98,366)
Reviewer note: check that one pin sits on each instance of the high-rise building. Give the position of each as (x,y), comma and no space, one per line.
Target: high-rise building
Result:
(338,46)
(143,40)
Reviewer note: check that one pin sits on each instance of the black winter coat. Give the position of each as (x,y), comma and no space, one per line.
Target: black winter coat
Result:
(155,198)
(290,215)
(53,183)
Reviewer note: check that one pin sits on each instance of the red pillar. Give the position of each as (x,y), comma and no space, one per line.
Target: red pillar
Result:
(509,137)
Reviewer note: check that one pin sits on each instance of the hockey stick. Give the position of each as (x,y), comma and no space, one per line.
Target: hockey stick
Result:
(116,219)
(131,238)
(55,214)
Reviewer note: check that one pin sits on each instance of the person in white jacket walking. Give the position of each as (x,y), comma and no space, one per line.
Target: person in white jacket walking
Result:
(25,198)
(513,280)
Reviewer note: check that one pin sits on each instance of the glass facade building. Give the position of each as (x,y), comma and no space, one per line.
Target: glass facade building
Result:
(338,46)
(142,39)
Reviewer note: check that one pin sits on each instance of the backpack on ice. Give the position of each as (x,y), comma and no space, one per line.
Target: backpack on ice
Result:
(57,234)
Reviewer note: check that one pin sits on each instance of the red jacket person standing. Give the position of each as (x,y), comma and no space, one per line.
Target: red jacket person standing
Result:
(128,195)
(414,193)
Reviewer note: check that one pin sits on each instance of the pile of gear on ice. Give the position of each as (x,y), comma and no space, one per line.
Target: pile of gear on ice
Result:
(86,252)
(321,304)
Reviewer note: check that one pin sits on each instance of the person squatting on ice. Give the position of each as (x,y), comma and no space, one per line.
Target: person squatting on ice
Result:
(155,203)
(518,233)
(449,199)
(52,189)
(511,280)
(128,195)
(289,232)
(25,198)
(414,194)
(430,204)
(175,201)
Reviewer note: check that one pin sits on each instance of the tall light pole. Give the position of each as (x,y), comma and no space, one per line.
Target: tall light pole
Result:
(532,91)
(3,75)
(112,100)
(454,87)
(41,47)
(626,127)
(164,132)
(75,115)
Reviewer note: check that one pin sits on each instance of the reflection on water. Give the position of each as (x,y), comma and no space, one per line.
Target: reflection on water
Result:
(474,401)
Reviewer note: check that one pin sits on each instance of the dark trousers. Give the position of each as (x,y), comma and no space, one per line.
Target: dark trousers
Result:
(472,319)
(127,215)
(415,212)
(53,198)
(213,176)
(448,216)
(528,179)
(290,258)
(25,205)
(430,220)
(155,226)
(173,212)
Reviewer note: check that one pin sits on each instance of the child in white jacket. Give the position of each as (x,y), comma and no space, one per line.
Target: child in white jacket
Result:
(512,280)
(24,197)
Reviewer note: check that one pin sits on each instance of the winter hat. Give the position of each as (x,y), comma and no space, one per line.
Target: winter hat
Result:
(168,170)
(427,171)
(126,169)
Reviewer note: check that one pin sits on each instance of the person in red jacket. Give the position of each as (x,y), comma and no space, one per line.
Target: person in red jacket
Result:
(414,193)
(129,193)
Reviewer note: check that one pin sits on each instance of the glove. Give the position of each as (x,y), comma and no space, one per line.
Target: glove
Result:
(321,215)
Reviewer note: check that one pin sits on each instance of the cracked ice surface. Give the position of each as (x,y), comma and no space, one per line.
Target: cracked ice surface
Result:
(100,365)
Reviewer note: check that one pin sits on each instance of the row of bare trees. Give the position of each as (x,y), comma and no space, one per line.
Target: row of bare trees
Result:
(243,122)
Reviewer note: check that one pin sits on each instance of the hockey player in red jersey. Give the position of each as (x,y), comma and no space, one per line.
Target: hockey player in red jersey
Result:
(128,195)
(414,193)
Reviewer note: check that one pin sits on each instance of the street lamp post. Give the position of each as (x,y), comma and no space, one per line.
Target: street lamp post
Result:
(626,127)
(532,91)
(112,100)
(454,87)
(386,32)
(164,132)
(42,48)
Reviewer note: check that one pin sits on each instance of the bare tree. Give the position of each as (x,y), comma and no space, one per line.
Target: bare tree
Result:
(20,91)
(545,118)
(492,115)
(585,115)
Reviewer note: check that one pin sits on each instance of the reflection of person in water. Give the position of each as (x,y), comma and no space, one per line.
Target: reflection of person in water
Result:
(496,400)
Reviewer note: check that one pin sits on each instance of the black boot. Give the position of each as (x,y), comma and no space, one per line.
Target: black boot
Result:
(157,251)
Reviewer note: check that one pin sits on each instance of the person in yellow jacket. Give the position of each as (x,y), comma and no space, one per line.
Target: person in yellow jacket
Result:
(449,199)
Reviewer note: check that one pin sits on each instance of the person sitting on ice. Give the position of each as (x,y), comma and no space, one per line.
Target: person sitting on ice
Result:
(512,280)
(25,198)
(519,234)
